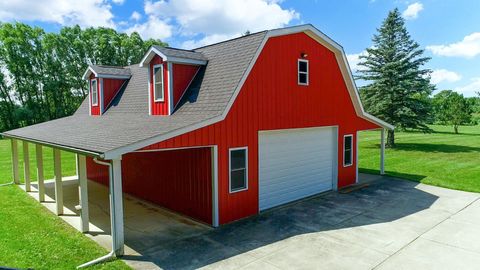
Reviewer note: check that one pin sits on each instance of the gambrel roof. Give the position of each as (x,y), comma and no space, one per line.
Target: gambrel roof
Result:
(126,126)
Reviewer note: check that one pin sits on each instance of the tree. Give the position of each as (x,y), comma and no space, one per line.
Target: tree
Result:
(41,73)
(451,108)
(397,89)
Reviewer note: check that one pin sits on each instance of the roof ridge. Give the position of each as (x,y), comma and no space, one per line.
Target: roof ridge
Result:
(178,49)
(109,66)
(232,39)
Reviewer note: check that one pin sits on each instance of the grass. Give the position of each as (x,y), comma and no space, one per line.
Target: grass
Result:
(30,235)
(441,158)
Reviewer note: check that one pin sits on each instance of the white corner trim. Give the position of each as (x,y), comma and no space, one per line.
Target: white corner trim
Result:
(170,87)
(102,103)
(216,219)
(149,89)
(307,29)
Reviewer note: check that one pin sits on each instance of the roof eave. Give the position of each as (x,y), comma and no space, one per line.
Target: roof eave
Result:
(54,145)
(154,51)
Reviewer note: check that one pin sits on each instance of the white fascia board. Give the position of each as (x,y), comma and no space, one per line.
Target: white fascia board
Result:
(153,51)
(186,61)
(110,76)
(309,30)
(87,73)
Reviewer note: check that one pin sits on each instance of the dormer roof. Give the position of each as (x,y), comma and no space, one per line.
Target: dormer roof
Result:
(111,72)
(174,55)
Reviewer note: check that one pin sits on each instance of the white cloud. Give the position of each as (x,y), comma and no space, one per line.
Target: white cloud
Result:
(469,90)
(469,47)
(118,2)
(64,12)
(135,16)
(412,11)
(443,75)
(152,28)
(208,20)
(354,60)
(210,39)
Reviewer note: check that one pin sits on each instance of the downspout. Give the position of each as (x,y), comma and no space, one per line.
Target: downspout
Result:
(112,219)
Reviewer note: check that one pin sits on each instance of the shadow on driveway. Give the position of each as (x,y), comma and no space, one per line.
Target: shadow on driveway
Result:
(382,201)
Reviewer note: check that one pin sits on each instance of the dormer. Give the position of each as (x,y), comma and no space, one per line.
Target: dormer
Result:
(170,72)
(104,83)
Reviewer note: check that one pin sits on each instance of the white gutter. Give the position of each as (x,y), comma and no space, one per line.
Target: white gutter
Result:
(112,220)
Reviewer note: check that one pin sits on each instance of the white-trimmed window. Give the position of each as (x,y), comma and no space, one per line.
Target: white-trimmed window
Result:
(347,150)
(94,91)
(158,83)
(302,72)
(238,169)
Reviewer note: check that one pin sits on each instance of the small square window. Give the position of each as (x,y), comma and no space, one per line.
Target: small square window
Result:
(302,72)
(238,169)
(347,150)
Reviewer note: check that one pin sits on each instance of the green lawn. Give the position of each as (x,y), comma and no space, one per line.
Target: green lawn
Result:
(441,158)
(30,235)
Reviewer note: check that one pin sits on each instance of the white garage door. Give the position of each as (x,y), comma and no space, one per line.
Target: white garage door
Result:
(294,164)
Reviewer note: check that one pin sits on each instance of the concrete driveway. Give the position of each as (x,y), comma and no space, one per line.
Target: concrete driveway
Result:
(391,224)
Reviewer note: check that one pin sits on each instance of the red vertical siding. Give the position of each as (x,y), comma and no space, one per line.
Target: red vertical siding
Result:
(272,99)
(95,109)
(110,89)
(180,180)
(182,76)
(159,107)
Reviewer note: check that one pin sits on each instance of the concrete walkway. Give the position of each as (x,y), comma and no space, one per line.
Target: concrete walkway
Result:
(391,224)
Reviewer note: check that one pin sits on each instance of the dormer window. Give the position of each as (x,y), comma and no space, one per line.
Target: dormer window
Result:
(302,72)
(158,83)
(94,91)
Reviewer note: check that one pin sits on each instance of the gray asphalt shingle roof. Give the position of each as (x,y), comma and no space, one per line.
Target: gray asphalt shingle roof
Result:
(173,52)
(127,120)
(109,70)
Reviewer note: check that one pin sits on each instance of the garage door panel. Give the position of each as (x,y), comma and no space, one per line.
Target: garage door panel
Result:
(294,164)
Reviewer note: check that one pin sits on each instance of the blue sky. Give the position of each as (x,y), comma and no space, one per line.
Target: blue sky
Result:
(449,30)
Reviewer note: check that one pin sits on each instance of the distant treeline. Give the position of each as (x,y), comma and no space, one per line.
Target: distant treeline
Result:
(41,73)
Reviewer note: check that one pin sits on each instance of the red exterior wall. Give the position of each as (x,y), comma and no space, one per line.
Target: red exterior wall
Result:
(110,89)
(159,107)
(180,180)
(182,76)
(95,110)
(272,99)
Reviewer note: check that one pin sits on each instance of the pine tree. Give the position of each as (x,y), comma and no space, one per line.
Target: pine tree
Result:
(397,87)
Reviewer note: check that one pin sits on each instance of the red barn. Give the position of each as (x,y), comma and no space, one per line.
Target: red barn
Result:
(220,132)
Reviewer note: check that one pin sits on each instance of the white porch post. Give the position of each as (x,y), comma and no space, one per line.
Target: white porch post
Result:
(40,176)
(83,192)
(16,177)
(26,166)
(215,185)
(382,152)
(57,169)
(116,206)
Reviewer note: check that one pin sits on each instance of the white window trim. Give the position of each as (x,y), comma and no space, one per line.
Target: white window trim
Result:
(351,150)
(302,72)
(96,92)
(230,169)
(155,99)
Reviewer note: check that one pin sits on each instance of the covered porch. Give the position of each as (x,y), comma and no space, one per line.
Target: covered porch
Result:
(124,224)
